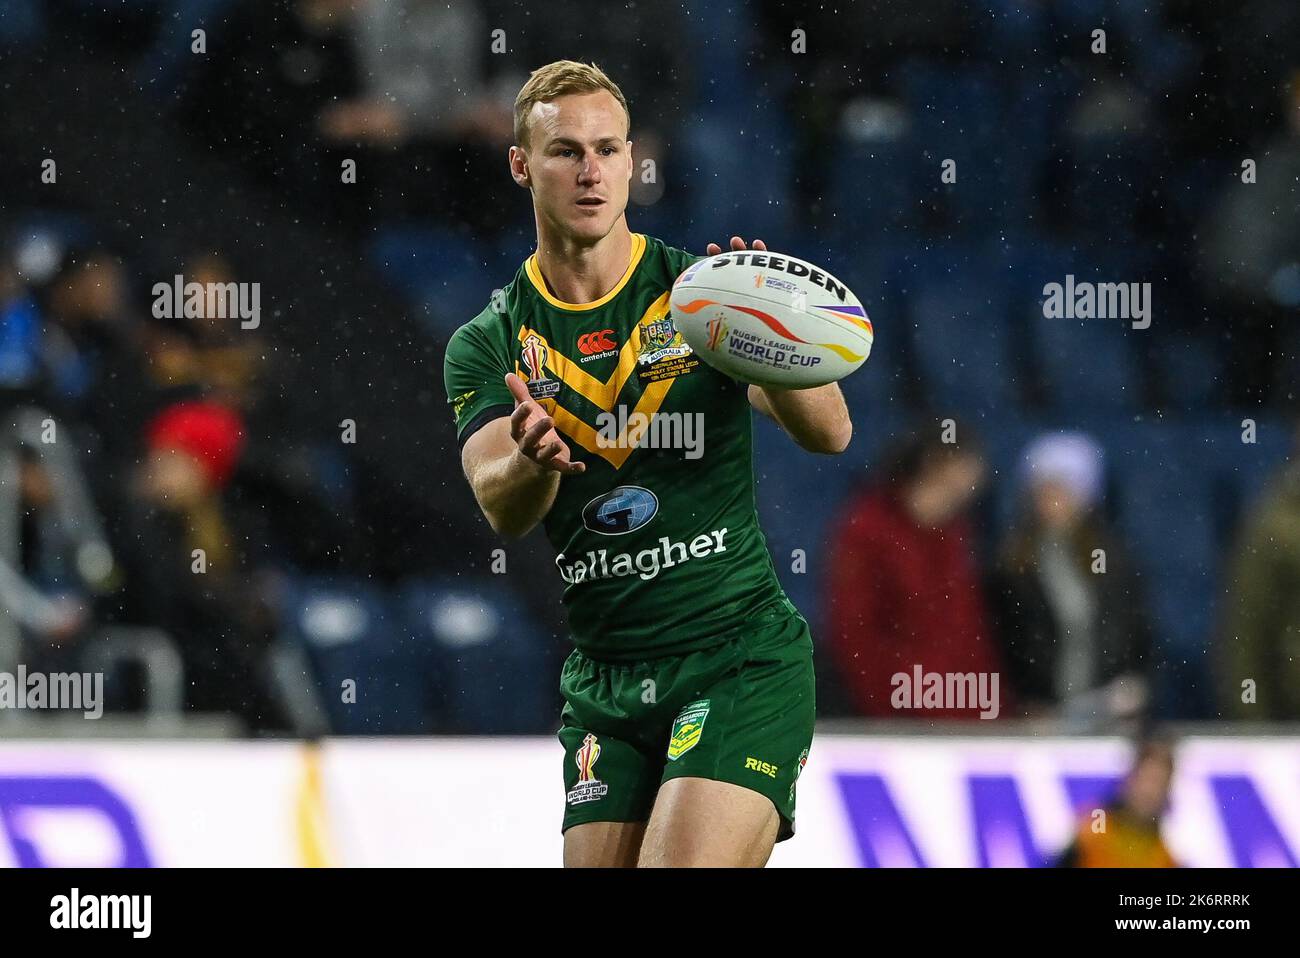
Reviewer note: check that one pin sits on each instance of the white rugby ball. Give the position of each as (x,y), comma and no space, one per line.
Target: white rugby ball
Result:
(771,320)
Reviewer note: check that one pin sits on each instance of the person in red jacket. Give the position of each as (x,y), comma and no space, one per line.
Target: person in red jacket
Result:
(905,598)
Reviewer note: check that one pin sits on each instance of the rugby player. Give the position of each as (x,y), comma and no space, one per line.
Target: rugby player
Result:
(689,694)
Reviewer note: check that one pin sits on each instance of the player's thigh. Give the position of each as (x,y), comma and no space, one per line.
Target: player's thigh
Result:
(610,778)
(699,822)
(603,845)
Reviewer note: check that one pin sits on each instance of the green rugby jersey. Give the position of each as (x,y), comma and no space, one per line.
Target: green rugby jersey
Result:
(658,544)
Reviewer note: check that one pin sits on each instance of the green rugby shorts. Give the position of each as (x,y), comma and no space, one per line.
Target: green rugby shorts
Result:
(741,712)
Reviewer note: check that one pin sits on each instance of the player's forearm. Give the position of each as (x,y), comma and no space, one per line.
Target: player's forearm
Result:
(515,493)
(817,419)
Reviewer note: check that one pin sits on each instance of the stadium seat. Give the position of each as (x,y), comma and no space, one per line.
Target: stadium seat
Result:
(484,660)
(957,115)
(1105,188)
(1107,379)
(21,22)
(958,325)
(872,188)
(1083,366)
(729,193)
(439,268)
(1080,16)
(798,496)
(1190,370)
(351,633)
(1164,493)
(1165,515)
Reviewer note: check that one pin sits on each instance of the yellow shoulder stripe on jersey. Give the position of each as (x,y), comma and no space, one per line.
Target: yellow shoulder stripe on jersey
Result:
(539,283)
(588,438)
(602,394)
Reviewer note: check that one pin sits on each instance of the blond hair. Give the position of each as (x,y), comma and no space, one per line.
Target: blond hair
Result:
(557,79)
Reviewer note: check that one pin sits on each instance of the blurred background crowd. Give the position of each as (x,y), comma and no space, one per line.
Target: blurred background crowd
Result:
(238,521)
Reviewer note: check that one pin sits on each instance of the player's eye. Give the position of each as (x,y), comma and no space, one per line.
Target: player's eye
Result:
(608,151)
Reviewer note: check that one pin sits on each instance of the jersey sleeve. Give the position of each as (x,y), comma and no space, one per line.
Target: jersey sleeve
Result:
(681,260)
(473,372)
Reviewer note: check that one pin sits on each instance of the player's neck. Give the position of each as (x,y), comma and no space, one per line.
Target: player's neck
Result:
(580,273)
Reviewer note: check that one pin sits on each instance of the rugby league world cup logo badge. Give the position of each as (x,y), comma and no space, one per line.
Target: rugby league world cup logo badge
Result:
(534,354)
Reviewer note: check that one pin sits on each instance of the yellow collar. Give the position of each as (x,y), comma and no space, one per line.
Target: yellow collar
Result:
(539,283)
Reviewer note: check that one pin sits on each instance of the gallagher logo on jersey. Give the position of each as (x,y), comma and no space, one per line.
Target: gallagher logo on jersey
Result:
(540,386)
(621,510)
(598,345)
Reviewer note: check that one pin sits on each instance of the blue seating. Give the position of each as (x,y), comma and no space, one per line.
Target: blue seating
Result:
(21,22)
(729,192)
(1087,363)
(434,654)
(798,495)
(957,113)
(1191,370)
(438,268)
(1080,16)
(1164,487)
(1015,29)
(483,656)
(872,189)
(1109,179)
(1084,366)
(958,326)
(351,633)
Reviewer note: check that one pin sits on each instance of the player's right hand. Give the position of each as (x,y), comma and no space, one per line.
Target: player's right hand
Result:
(534,432)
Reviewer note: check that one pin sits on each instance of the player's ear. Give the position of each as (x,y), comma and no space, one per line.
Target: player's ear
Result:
(631,163)
(519,167)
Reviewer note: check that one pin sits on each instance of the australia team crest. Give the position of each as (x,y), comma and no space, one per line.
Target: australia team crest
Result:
(687,729)
(661,340)
(663,353)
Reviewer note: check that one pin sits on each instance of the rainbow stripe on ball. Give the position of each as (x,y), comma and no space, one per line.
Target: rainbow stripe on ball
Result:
(774,324)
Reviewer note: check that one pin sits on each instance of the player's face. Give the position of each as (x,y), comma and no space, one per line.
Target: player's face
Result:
(579,163)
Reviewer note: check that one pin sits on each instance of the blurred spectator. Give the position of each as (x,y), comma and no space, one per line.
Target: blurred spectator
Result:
(423,68)
(1127,832)
(903,588)
(212,356)
(21,358)
(426,111)
(1069,612)
(54,558)
(192,562)
(640,46)
(1251,259)
(93,348)
(854,73)
(263,88)
(1261,643)
(403,88)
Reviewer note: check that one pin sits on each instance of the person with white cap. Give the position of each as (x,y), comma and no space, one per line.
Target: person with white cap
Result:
(1067,601)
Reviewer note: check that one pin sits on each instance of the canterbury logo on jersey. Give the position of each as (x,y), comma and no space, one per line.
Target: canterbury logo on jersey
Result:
(589,344)
(646,564)
(603,394)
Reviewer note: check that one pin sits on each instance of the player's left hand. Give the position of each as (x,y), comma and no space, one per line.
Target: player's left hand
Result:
(737,245)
